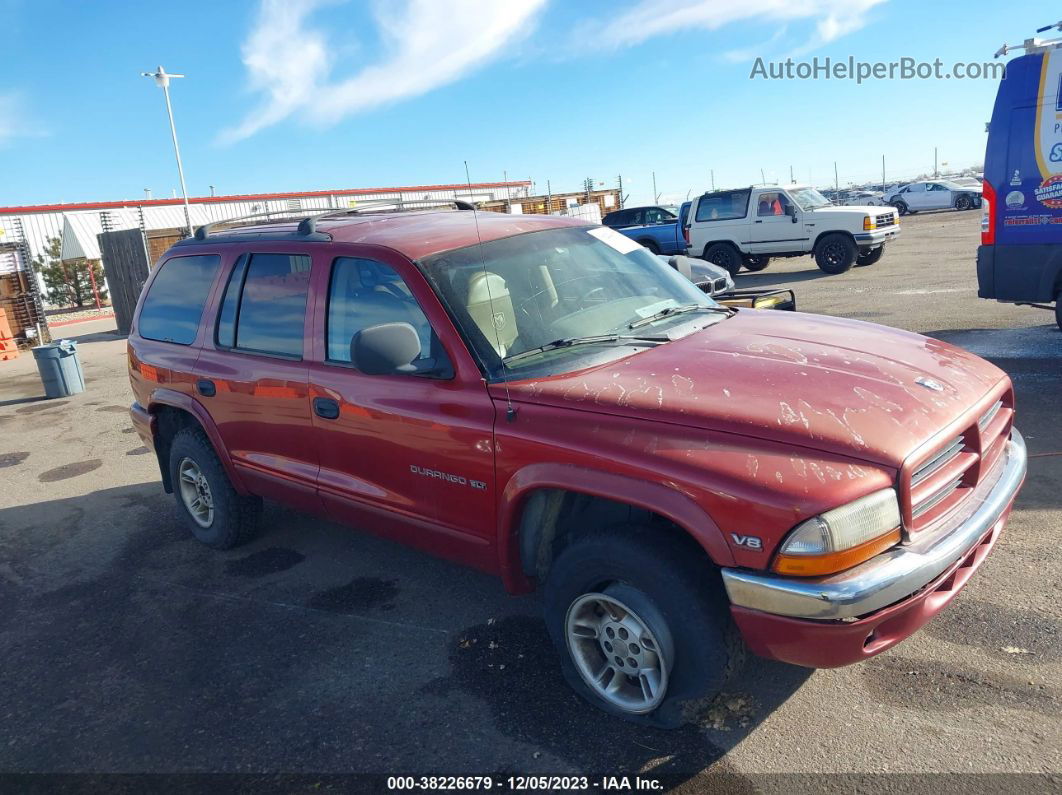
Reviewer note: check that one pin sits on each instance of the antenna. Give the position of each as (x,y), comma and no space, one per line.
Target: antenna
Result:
(510,410)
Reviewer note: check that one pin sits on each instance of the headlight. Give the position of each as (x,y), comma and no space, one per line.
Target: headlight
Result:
(841,538)
(869,224)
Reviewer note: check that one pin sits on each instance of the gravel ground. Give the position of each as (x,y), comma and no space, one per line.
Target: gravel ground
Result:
(127,647)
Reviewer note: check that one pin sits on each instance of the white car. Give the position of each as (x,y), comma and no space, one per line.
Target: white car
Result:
(865,198)
(935,195)
(745,227)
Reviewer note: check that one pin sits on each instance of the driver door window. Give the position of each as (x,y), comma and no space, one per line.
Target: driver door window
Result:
(365,293)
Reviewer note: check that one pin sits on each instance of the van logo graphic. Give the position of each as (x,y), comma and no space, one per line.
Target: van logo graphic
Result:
(1056,154)
(1049,193)
(929,383)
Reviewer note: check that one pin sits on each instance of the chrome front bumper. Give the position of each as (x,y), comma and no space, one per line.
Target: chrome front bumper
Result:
(896,574)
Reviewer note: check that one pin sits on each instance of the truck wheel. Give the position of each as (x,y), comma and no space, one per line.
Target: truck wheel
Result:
(901,207)
(212,510)
(835,253)
(870,257)
(756,263)
(725,256)
(642,627)
(963,203)
(652,246)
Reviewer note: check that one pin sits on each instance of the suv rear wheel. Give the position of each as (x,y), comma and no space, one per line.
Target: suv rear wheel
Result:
(963,203)
(835,253)
(641,626)
(901,207)
(725,256)
(212,510)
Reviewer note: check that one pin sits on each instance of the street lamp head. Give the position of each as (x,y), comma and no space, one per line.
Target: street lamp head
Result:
(161,77)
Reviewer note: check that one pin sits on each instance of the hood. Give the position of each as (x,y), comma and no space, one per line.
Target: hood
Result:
(841,386)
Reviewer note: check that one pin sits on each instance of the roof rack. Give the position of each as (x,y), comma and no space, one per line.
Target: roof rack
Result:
(308,223)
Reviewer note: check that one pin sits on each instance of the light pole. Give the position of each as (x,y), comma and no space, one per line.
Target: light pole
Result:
(162,80)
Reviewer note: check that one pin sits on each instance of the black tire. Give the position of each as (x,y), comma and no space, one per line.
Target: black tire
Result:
(835,253)
(963,202)
(725,256)
(870,257)
(756,262)
(652,246)
(901,207)
(676,593)
(235,517)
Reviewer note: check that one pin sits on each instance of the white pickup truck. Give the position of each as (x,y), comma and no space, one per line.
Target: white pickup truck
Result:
(748,226)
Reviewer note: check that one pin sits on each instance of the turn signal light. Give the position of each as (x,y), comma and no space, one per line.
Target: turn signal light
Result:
(817,565)
(869,225)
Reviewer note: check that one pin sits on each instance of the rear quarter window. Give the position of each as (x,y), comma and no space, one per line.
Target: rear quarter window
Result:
(174,304)
(727,206)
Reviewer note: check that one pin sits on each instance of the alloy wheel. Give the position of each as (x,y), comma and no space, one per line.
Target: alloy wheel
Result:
(195,492)
(616,653)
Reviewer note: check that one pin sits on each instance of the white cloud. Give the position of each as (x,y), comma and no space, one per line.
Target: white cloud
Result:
(425,44)
(649,18)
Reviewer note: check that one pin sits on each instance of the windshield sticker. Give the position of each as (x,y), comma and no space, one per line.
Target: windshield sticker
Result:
(659,306)
(622,244)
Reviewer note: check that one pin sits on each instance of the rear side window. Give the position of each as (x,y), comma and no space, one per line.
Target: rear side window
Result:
(725,206)
(174,304)
(264,309)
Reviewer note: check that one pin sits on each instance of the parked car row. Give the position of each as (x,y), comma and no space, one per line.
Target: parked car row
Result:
(746,227)
(936,195)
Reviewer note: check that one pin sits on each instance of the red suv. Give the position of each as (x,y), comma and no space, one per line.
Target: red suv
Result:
(545,401)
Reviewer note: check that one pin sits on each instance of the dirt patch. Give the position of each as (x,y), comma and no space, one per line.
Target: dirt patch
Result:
(67,471)
(44,405)
(1012,633)
(360,594)
(12,459)
(264,562)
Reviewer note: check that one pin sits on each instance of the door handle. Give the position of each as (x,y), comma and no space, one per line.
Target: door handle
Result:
(206,387)
(759,221)
(326,408)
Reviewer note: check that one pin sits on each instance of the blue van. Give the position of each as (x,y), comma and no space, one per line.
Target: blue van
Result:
(1020,256)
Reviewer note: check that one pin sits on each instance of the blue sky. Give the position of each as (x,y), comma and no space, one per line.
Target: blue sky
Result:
(317,94)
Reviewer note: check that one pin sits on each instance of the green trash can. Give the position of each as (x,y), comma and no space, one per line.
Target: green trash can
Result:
(60,368)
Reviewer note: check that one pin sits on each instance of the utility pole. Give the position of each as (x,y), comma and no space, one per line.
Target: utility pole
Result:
(935,172)
(162,80)
(656,196)
(508,196)
(549,198)
(883,173)
(791,180)
(763,179)
(588,186)
(836,181)
(712,172)
(619,182)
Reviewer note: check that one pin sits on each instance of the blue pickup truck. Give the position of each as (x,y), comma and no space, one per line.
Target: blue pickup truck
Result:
(657,228)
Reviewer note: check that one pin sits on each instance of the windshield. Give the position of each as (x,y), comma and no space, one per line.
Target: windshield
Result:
(514,295)
(808,198)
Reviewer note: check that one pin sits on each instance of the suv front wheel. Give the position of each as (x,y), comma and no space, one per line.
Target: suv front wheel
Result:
(213,511)
(725,256)
(836,253)
(641,626)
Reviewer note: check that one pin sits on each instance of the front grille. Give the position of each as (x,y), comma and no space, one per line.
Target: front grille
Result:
(935,482)
(885,220)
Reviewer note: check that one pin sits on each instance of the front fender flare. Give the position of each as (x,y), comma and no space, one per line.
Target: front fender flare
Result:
(665,499)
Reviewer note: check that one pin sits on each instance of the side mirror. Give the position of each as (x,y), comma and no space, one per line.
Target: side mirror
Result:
(790,210)
(385,349)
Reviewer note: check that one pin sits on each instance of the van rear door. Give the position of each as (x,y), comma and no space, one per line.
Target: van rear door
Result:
(1020,257)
